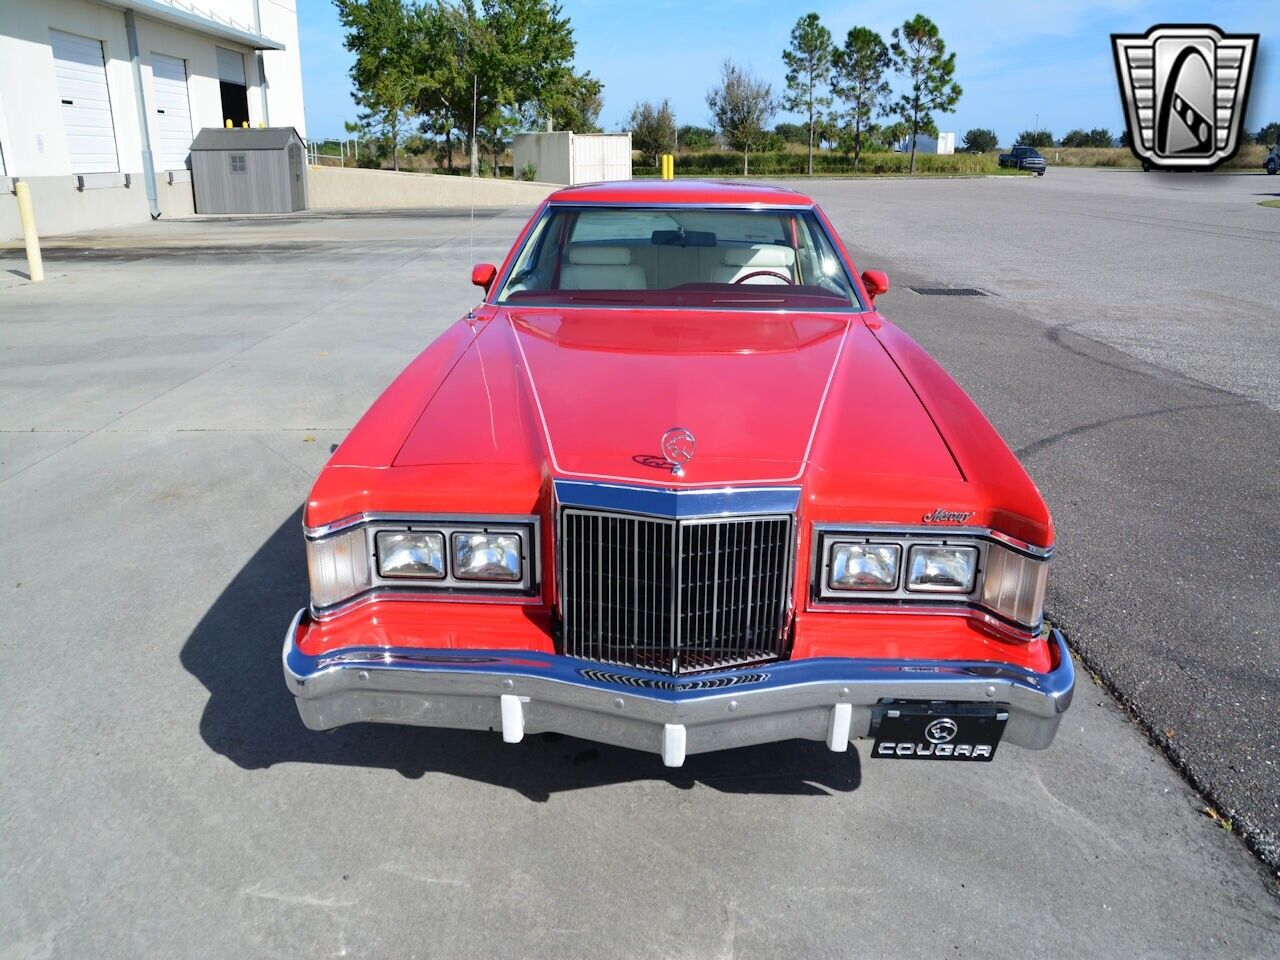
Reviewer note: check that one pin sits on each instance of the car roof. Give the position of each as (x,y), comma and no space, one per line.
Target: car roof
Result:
(690,192)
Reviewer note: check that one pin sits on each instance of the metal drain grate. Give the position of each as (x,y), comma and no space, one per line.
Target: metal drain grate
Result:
(949,291)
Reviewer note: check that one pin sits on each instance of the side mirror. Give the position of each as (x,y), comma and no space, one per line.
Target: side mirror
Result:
(483,274)
(876,282)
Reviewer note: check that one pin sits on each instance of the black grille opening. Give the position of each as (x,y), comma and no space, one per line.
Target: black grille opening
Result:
(674,596)
(949,291)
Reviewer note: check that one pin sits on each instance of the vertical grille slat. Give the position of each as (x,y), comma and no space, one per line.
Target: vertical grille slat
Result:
(674,596)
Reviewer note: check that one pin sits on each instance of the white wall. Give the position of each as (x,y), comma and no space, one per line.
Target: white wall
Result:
(283,67)
(550,153)
(31,127)
(34,140)
(279,22)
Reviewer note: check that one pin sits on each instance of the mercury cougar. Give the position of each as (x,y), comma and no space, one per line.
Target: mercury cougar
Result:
(677,485)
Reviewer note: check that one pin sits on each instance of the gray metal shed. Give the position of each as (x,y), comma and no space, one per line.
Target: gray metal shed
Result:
(245,170)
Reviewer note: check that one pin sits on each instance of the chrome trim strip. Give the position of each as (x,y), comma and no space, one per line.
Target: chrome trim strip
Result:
(936,609)
(677,503)
(779,701)
(426,594)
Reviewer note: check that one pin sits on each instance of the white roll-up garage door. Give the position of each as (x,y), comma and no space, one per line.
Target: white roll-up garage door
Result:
(173,111)
(86,104)
(231,66)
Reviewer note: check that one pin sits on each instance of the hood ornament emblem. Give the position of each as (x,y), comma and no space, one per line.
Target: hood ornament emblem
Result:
(678,446)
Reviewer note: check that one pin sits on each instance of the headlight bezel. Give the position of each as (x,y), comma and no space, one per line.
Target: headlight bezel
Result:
(1022,612)
(365,529)
(833,564)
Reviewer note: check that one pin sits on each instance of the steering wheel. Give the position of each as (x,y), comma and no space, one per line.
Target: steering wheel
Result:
(765,273)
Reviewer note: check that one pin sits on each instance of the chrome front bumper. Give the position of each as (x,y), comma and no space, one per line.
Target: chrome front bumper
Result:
(829,699)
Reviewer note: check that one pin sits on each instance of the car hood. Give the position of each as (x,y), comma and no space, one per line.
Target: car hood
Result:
(589,394)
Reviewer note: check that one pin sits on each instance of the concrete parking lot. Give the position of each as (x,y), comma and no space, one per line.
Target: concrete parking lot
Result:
(170,393)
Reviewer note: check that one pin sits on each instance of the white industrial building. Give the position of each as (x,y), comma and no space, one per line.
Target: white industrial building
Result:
(943,143)
(100,100)
(571,158)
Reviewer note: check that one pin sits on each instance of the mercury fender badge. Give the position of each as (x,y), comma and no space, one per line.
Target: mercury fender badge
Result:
(1185,88)
(948,516)
(678,447)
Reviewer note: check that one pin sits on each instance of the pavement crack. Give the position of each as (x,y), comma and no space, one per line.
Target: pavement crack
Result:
(1031,449)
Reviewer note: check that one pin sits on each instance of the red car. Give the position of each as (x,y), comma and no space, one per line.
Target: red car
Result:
(676,485)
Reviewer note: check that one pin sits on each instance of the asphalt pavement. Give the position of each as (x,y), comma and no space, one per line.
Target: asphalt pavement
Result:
(171,393)
(1146,410)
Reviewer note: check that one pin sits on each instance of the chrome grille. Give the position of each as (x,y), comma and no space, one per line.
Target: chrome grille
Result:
(676,596)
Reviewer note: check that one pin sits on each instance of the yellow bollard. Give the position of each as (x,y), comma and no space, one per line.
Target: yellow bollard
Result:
(245,124)
(228,123)
(671,166)
(35,265)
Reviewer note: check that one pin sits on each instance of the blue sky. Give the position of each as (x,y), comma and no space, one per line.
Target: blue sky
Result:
(1016,59)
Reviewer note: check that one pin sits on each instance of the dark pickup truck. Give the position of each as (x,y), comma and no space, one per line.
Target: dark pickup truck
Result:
(1024,158)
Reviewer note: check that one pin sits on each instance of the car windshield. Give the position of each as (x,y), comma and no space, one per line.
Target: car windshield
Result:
(740,258)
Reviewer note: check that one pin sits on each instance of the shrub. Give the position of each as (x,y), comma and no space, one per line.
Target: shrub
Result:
(980,140)
(1034,138)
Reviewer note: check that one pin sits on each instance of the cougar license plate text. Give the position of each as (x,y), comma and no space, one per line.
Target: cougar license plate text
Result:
(938,733)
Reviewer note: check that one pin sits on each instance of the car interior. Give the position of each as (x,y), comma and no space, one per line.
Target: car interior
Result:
(696,250)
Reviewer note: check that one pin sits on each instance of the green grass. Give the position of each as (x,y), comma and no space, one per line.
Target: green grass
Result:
(1269,203)
(787,163)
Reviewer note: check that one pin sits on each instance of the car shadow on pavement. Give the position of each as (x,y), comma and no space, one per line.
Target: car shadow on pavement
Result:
(251,719)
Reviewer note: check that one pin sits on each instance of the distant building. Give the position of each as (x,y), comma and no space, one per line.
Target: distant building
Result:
(100,99)
(564,157)
(943,143)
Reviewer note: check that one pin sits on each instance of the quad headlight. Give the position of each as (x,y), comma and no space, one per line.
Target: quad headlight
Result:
(930,568)
(864,566)
(454,555)
(487,556)
(407,553)
(944,569)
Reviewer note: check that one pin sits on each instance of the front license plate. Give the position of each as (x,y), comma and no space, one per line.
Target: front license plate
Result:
(938,733)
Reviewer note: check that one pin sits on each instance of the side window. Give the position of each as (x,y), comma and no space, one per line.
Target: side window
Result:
(527,273)
(819,264)
(238,164)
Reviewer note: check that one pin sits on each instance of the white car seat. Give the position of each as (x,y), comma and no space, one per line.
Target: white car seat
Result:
(601,268)
(738,262)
